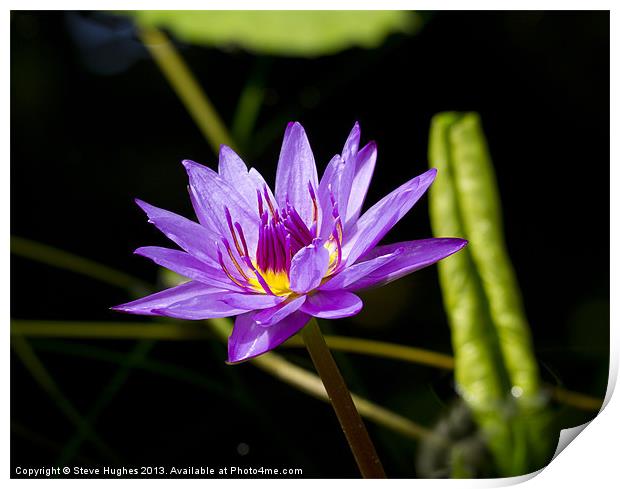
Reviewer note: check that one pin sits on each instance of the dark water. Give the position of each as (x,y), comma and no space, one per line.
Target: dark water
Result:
(94,124)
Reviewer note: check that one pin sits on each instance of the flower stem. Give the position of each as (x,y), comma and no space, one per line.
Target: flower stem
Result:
(340,397)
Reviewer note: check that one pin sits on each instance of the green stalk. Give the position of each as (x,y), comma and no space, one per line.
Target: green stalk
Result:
(250,103)
(479,370)
(350,420)
(36,439)
(190,332)
(495,367)
(271,363)
(109,330)
(311,384)
(40,374)
(105,397)
(383,349)
(55,257)
(474,179)
(186,87)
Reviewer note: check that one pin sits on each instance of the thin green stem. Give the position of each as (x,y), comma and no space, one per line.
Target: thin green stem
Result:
(576,399)
(40,374)
(191,331)
(383,350)
(350,420)
(110,330)
(36,439)
(271,363)
(250,102)
(164,369)
(55,257)
(186,87)
(311,384)
(138,353)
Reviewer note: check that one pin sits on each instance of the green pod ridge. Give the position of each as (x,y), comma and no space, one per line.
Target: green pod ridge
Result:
(478,366)
(490,334)
(480,206)
(478,372)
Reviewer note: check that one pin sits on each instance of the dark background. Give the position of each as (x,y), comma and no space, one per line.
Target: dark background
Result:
(92,128)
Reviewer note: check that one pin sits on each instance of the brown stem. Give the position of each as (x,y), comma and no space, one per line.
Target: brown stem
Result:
(340,397)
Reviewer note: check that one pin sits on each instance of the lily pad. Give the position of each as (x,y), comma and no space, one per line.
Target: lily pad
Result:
(282,32)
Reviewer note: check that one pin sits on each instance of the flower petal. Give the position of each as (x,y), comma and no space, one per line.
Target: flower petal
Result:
(327,188)
(203,306)
(359,270)
(364,168)
(188,266)
(336,183)
(253,301)
(147,305)
(349,151)
(273,315)
(347,179)
(249,339)
(230,165)
(332,304)
(261,185)
(296,169)
(212,194)
(308,267)
(382,216)
(233,170)
(197,240)
(346,176)
(414,256)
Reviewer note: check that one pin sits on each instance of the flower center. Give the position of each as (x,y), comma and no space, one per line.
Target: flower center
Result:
(281,234)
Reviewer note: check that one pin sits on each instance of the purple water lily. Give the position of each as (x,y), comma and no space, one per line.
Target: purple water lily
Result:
(274,260)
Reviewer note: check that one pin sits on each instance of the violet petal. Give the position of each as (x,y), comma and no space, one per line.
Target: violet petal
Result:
(189,235)
(336,184)
(253,301)
(359,270)
(249,339)
(308,267)
(202,306)
(188,266)
(364,168)
(212,194)
(296,168)
(233,170)
(381,217)
(147,305)
(332,304)
(414,256)
(346,175)
(349,151)
(261,184)
(269,317)
(327,188)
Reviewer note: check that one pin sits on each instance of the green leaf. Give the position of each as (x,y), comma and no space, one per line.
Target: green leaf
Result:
(495,367)
(281,32)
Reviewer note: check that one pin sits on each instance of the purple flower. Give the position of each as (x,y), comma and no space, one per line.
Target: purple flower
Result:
(274,260)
